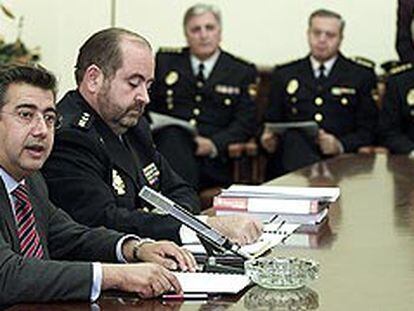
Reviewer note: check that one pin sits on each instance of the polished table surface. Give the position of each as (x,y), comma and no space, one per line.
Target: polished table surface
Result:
(366,254)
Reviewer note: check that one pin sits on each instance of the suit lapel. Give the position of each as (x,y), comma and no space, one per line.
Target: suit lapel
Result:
(118,151)
(305,72)
(336,72)
(8,223)
(220,70)
(184,66)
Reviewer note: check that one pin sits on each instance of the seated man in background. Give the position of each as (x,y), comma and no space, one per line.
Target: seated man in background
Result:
(104,154)
(396,128)
(213,91)
(43,252)
(325,87)
(405,30)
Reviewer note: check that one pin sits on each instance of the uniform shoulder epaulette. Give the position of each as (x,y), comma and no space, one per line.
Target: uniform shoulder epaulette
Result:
(170,49)
(287,63)
(83,121)
(401,68)
(242,60)
(363,61)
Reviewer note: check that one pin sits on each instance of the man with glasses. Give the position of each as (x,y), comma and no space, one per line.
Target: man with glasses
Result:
(44,254)
(324,87)
(104,154)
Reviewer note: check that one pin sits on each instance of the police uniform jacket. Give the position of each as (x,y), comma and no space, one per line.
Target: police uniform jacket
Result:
(397,114)
(342,105)
(95,175)
(221,108)
(34,280)
(404,43)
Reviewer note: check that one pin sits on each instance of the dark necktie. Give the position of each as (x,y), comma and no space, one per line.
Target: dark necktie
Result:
(26,226)
(322,73)
(200,74)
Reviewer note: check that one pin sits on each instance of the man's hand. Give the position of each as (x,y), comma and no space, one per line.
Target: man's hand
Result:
(238,228)
(205,146)
(167,254)
(146,279)
(269,141)
(328,143)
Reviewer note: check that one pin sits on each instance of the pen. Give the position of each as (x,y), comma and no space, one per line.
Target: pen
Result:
(184,296)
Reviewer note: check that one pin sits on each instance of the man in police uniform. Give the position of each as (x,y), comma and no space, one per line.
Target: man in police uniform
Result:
(103,154)
(397,114)
(404,42)
(325,87)
(213,91)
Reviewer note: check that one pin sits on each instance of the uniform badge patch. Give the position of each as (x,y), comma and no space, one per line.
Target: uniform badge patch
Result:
(292,86)
(151,173)
(410,97)
(117,183)
(171,77)
(252,90)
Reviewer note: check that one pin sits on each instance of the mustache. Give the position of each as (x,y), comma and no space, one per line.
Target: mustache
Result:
(36,145)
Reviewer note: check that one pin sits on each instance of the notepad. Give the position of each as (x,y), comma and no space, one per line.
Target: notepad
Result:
(212,283)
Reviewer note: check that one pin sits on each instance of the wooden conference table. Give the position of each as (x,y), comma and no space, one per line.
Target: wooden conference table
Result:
(366,254)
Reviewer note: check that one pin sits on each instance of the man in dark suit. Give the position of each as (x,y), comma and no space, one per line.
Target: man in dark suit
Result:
(35,236)
(212,90)
(104,154)
(397,113)
(327,88)
(404,42)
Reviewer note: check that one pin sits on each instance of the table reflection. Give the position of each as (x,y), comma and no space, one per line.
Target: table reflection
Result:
(258,298)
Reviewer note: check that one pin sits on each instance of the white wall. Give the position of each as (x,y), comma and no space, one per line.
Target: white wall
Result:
(263,31)
(59,27)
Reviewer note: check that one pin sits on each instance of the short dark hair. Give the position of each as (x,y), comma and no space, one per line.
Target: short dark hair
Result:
(103,50)
(327,13)
(34,75)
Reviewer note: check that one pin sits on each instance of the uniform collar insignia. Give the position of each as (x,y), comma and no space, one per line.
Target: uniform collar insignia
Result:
(84,120)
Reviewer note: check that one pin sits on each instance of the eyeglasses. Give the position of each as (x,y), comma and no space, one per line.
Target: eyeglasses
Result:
(27,116)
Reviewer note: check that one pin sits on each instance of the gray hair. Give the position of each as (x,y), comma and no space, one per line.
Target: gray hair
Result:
(327,13)
(201,8)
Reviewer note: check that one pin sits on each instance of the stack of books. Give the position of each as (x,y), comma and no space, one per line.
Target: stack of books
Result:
(307,206)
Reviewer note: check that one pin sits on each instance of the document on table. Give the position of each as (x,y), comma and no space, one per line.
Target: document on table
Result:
(273,234)
(204,282)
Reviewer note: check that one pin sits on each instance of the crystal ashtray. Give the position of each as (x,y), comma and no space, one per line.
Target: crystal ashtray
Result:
(281,272)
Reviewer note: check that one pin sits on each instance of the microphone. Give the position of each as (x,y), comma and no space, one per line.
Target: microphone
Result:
(204,231)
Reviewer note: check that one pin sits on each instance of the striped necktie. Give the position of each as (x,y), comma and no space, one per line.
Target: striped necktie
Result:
(26,227)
